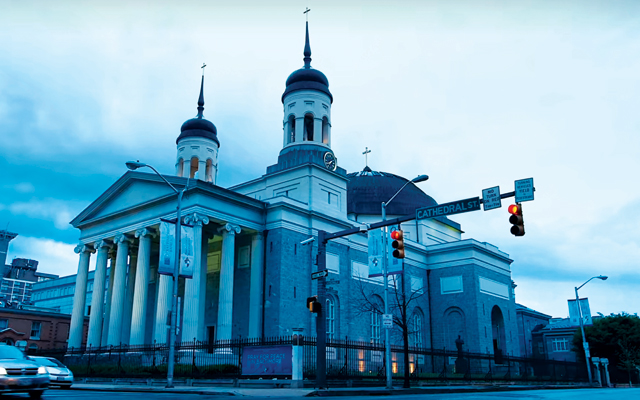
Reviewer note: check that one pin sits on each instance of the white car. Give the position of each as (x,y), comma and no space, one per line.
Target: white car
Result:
(19,374)
(59,374)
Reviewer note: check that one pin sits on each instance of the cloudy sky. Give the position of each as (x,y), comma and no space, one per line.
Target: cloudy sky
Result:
(474,94)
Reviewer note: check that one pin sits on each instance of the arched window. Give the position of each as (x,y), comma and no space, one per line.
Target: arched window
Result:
(331,318)
(308,127)
(454,326)
(8,341)
(325,130)
(376,315)
(209,171)
(292,129)
(497,329)
(194,167)
(180,167)
(417,328)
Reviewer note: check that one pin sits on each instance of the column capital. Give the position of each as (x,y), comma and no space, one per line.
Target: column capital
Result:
(146,232)
(122,238)
(229,228)
(196,219)
(104,243)
(84,248)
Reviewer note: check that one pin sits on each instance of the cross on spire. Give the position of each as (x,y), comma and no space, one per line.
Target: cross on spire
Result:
(366,156)
(203,65)
(306,13)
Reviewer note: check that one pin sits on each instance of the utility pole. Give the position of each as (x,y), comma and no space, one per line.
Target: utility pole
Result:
(321,328)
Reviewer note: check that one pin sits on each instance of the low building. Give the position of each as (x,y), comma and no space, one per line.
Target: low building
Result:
(555,340)
(529,320)
(34,329)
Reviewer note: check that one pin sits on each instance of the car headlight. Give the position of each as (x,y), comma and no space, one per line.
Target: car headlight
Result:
(3,371)
(42,370)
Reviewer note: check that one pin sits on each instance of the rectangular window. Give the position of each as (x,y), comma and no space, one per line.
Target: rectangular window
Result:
(244,254)
(331,319)
(417,328)
(36,326)
(333,263)
(560,344)
(416,284)
(375,327)
(4,323)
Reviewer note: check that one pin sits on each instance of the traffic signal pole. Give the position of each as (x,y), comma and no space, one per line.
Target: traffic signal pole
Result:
(321,323)
(385,262)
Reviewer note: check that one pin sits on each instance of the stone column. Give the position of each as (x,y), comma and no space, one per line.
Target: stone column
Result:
(97,298)
(127,311)
(107,306)
(255,287)
(77,315)
(299,134)
(117,301)
(193,314)
(138,316)
(225,302)
(165,289)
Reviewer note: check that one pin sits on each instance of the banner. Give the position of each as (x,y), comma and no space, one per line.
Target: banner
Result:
(167,249)
(375,252)
(574,316)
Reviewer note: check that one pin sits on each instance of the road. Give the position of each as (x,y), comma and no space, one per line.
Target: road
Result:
(560,394)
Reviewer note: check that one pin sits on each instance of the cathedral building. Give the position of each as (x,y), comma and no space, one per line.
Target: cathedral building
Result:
(251,275)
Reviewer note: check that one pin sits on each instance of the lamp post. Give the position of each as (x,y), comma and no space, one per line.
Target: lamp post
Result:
(387,346)
(133,165)
(585,344)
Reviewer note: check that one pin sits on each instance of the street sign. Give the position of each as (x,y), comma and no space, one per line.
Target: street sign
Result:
(387,321)
(319,274)
(491,198)
(455,207)
(524,190)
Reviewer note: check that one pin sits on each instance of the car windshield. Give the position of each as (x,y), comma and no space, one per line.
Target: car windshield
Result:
(10,352)
(43,361)
(56,362)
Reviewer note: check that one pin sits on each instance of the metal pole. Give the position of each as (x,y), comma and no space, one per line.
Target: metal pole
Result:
(387,345)
(584,339)
(321,328)
(174,306)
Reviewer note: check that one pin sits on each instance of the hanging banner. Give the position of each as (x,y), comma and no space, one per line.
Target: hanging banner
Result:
(375,252)
(168,253)
(574,316)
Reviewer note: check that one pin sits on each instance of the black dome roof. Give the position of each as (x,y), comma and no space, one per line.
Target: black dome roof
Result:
(307,77)
(367,189)
(198,126)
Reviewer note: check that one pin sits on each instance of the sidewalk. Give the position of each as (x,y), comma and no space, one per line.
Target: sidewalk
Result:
(286,392)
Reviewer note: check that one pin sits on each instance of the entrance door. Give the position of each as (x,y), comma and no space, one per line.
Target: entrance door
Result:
(211,337)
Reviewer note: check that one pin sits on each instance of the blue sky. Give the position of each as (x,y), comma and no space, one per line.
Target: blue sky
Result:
(474,94)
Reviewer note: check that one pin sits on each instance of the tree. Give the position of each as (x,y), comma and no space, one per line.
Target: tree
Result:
(615,337)
(399,306)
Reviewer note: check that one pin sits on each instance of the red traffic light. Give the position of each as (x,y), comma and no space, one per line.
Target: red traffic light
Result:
(396,235)
(515,209)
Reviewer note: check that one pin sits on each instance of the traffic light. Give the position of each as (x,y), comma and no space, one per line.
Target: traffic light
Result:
(313,304)
(398,243)
(516,220)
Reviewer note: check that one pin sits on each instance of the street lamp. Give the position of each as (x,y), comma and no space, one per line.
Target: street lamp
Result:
(133,165)
(387,346)
(585,344)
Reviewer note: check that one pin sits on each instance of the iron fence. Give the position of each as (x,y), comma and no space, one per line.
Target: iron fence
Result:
(346,360)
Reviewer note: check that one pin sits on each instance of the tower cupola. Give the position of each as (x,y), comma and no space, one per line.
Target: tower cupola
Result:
(307,106)
(198,145)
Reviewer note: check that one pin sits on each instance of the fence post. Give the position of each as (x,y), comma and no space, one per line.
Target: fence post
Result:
(89,361)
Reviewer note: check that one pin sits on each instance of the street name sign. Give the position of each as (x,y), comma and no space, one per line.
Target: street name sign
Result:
(524,190)
(491,198)
(319,274)
(387,321)
(455,207)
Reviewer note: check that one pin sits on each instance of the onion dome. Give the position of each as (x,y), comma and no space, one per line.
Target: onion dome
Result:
(198,126)
(307,78)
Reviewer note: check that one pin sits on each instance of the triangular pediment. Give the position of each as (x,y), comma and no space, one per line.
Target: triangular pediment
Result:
(133,190)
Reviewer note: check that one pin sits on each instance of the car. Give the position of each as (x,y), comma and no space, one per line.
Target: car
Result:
(20,374)
(59,374)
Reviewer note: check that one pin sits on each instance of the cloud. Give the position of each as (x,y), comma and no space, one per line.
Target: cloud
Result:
(58,211)
(54,257)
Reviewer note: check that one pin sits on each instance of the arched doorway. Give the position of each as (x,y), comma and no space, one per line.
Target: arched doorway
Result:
(497,330)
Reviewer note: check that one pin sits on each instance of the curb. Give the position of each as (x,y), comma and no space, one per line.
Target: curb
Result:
(411,391)
(153,390)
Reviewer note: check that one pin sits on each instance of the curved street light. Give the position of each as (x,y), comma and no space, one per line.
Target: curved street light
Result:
(585,344)
(133,165)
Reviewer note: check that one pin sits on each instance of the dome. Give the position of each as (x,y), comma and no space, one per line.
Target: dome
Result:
(307,77)
(367,189)
(198,126)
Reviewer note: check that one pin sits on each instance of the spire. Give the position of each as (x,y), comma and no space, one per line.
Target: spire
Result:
(201,98)
(307,50)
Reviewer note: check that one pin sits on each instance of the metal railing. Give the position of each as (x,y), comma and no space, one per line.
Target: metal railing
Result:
(346,360)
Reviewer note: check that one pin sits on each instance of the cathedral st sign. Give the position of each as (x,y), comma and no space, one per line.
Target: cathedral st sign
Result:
(455,207)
